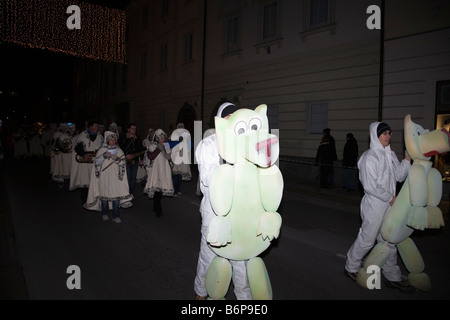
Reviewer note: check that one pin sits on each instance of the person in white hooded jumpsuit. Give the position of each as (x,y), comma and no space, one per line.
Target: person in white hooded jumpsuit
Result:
(379,172)
(208,159)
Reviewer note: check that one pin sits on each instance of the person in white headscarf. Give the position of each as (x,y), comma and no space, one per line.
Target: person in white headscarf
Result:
(57,155)
(109,185)
(64,144)
(379,172)
(208,159)
(159,172)
(141,176)
(181,170)
(113,127)
(86,145)
(36,150)
(46,140)
(20,144)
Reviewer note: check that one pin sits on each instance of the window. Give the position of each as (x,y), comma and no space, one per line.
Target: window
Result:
(188,47)
(144,64)
(319,13)
(269,25)
(270,21)
(318,17)
(443,96)
(163,63)
(442,162)
(232,36)
(318,116)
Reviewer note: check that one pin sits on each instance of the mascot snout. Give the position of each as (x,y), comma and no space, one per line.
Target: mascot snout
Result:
(266,147)
(440,142)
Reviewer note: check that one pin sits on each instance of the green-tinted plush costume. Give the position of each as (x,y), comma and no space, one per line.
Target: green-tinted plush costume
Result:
(416,206)
(245,195)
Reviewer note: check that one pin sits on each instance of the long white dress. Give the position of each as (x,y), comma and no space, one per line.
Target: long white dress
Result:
(159,174)
(46,140)
(36,146)
(20,146)
(80,173)
(63,161)
(181,154)
(108,180)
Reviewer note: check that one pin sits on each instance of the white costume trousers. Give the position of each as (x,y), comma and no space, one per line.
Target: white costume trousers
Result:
(239,272)
(372,216)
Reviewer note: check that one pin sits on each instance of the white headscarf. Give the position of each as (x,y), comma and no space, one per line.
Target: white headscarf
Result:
(158,135)
(108,136)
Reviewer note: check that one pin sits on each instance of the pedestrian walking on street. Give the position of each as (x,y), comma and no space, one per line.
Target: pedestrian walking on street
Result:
(159,176)
(379,172)
(109,182)
(134,150)
(208,159)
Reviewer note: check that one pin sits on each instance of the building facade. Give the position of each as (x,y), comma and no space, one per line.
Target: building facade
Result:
(316,64)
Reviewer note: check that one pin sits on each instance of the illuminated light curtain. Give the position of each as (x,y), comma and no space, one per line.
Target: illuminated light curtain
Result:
(42,24)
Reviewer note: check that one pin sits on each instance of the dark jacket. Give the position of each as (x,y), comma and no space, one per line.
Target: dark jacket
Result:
(325,153)
(350,153)
(131,146)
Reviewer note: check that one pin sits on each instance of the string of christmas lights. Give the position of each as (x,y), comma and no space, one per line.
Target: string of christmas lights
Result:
(43,24)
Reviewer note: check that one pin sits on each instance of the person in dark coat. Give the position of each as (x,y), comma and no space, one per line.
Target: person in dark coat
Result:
(349,161)
(333,154)
(324,158)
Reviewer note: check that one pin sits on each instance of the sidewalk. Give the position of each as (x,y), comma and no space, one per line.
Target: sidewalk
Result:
(301,178)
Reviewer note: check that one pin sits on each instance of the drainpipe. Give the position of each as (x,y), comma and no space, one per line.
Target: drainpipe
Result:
(381,76)
(203,61)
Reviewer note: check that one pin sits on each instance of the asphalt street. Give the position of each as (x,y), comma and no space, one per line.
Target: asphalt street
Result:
(46,230)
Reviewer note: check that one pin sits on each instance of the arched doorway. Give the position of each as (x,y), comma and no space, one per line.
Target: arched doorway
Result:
(187,116)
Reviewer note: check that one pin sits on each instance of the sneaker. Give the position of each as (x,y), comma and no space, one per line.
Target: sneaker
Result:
(403,286)
(117,220)
(105,217)
(351,275)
